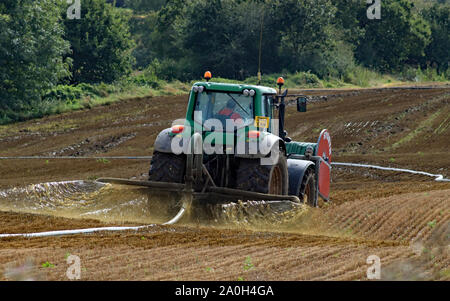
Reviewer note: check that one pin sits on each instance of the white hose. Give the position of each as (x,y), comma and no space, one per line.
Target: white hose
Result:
(176,218)
(439,178)
(173,221)
(72,232)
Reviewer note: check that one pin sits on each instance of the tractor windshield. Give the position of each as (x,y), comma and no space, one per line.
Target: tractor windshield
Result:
(223,106)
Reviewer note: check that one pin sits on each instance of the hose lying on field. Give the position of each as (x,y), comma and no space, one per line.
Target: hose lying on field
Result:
(72,232)
(439,178)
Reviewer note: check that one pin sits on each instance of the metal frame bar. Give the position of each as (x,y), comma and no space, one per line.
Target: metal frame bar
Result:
(224,192)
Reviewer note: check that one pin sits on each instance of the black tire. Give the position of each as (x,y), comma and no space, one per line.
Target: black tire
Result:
(168,168)
(252,176)
(308,188)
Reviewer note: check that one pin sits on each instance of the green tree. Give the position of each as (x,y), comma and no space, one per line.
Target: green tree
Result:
(101,43)
(347,17)
(400,37)
(143,29)
(31,53)
(311,39)
(155,40)
(159,47)
(224,36)
(142,6)
(438,51)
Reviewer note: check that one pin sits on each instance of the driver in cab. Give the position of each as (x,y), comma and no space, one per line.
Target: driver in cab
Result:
(228,111)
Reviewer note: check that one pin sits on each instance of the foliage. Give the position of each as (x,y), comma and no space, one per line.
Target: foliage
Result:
(220,37)
(362,77)
(65,98)
(141,6)
(304,79)
(48,265)
(146,37)
(427,74)
(312,43)
(64,93)
(329,38)
(306,30)
(348,14)
(31,53)
(70,94)
(432,224)
(170,69)
(399,37)
(248,265)
(146,78)
(101,43)
(437,52)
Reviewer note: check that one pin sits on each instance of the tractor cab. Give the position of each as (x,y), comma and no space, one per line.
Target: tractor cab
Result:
(239,106)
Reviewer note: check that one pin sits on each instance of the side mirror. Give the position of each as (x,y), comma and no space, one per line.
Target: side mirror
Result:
(301,104)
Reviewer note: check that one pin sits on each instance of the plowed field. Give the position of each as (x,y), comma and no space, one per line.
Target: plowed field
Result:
(401,218)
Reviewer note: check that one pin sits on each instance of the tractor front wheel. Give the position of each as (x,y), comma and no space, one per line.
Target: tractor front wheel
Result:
(168,168)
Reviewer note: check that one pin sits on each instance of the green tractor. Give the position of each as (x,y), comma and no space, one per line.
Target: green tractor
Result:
(232,147)
(247,146)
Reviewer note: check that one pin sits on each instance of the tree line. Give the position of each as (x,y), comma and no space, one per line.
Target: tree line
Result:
(177,40)
(326,37)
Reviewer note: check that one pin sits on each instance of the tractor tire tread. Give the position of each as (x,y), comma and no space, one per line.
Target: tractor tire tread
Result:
(252,176)
(309,179)
(167,168)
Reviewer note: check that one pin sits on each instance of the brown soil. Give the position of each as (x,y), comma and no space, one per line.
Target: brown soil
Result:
(402,218)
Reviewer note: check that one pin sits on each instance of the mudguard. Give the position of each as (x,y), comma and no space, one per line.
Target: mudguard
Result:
(324,151)
(268,143)
(163,143)
(296,169)
(166,140)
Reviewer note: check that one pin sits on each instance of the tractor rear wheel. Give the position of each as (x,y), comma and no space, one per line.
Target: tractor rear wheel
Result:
(271,179)
(168,168)
(308,188)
